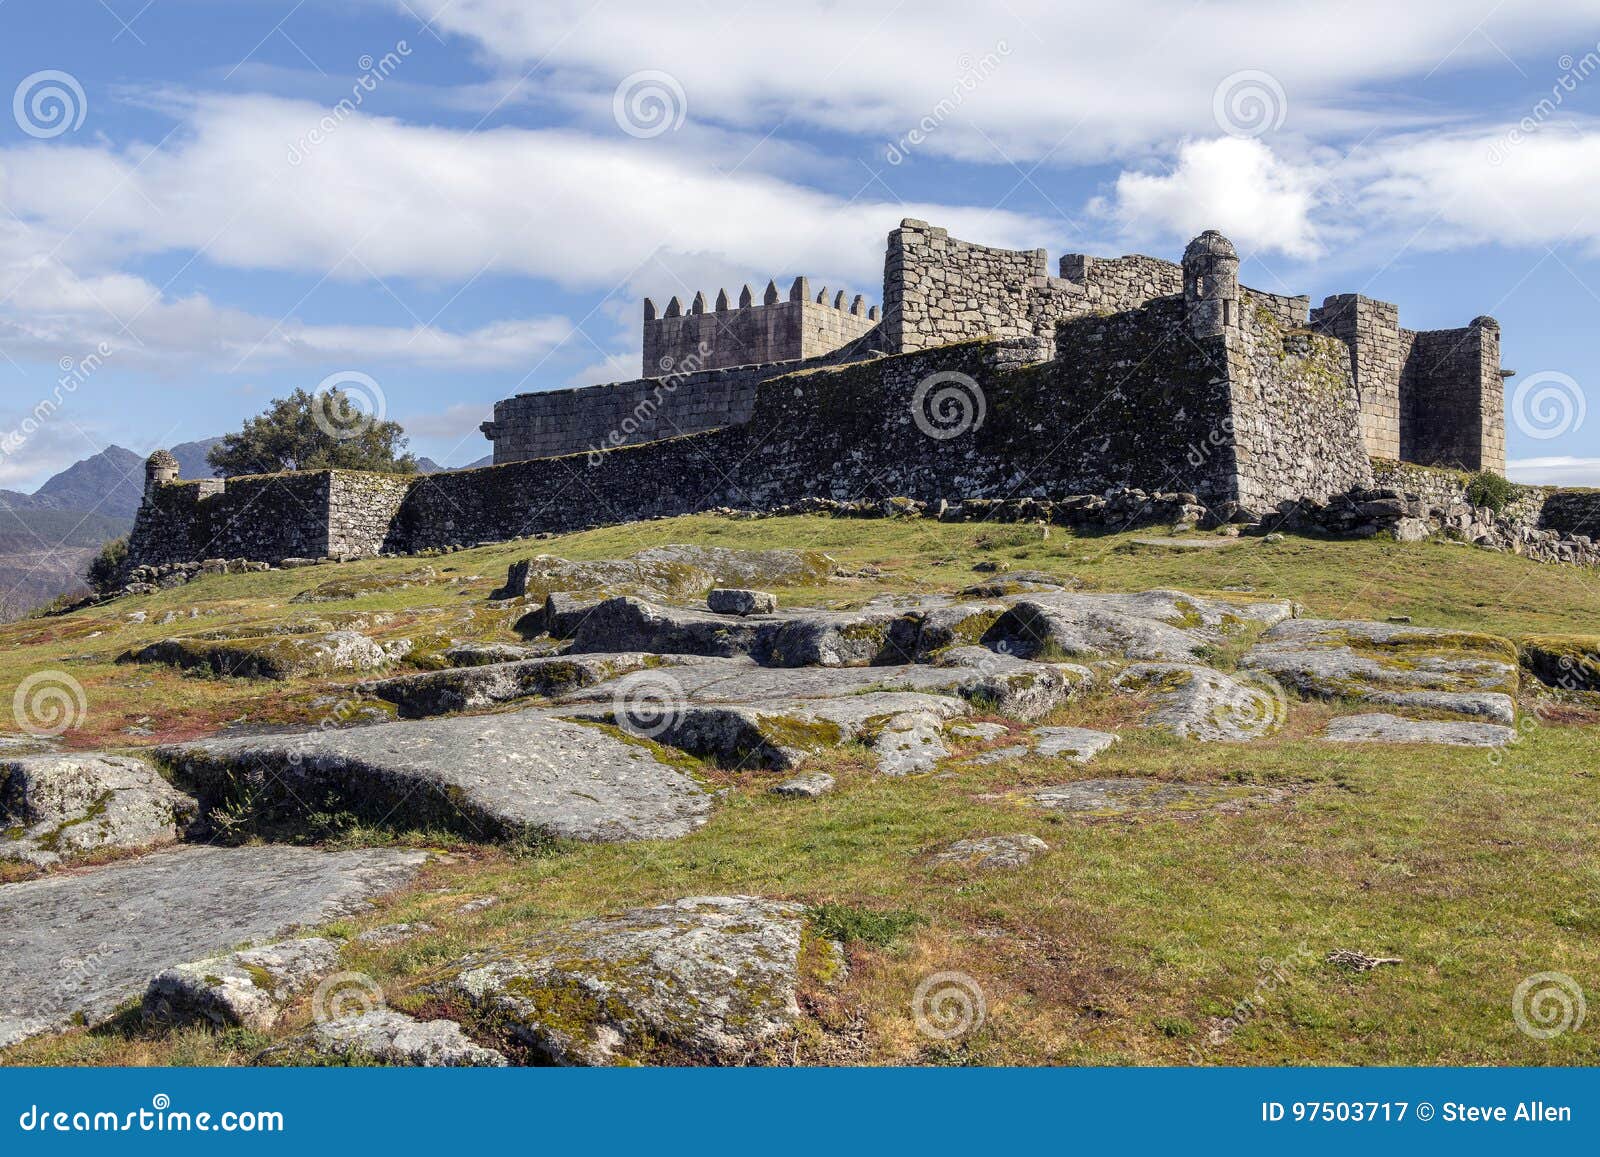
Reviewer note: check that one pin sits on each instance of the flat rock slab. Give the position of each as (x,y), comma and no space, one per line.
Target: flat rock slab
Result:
(799,638)
(710,977)
(778,734)
(1159,625)
(1396,665)
(247,988)
(393,1038)
(1011,685)
(1381,728)
(990,852)
(1116,797)
(1079,744)
(77,946)
(521,774)
(1202,703)
(275,656)
(56,807)
(467,688)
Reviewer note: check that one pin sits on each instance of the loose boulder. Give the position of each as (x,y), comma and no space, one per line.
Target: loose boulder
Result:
(57,807)
(735,601)
(247,988)
(393,1038)
(708,978)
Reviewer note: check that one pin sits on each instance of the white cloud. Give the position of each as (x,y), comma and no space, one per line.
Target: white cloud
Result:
(1233,184)
(1078,80)
(1555,471)
(380,198)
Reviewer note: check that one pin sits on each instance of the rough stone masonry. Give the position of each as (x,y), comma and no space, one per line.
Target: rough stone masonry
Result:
(984,377)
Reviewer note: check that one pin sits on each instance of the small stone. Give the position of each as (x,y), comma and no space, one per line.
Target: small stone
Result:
(809,786)
(734,601)
(989,852)
(393,1038)
(247,988)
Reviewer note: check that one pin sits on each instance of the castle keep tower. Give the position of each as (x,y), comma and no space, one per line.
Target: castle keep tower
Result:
(718,337)
(160,468)
(1211,285)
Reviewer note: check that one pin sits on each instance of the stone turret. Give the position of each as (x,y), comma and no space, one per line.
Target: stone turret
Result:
(160,468)
(1211,285)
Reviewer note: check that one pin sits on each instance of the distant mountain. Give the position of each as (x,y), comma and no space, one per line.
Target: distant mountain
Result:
(191,458)
(429,466)
(111,483)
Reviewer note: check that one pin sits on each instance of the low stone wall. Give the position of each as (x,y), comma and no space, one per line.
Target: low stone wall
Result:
(1572,512)
(362,509)
(266,516)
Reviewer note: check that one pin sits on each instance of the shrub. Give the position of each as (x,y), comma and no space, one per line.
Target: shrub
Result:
(105,569)
(1492,491)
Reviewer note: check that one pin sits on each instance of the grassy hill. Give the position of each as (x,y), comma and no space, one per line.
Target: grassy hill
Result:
(1163,939)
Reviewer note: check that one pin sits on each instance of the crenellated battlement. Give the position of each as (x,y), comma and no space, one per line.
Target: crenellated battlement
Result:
(780,329)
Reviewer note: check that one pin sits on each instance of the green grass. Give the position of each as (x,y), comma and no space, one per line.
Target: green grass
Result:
(1156,939)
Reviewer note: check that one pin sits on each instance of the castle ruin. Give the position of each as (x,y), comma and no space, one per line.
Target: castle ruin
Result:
(982,377)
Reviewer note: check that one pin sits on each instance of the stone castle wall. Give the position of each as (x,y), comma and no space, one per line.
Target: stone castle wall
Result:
(552,423)
(722,335)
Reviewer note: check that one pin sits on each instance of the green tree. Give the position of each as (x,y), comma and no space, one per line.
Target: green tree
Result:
(105,569)
(321,431)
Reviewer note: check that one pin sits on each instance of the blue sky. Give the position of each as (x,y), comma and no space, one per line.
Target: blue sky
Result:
(193,218)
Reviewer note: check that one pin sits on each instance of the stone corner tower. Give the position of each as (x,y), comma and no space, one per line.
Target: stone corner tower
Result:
(1211,285)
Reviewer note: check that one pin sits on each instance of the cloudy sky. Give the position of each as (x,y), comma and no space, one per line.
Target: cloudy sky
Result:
(208,203)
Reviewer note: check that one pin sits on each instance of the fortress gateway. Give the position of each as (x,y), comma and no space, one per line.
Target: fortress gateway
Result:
(982,377)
